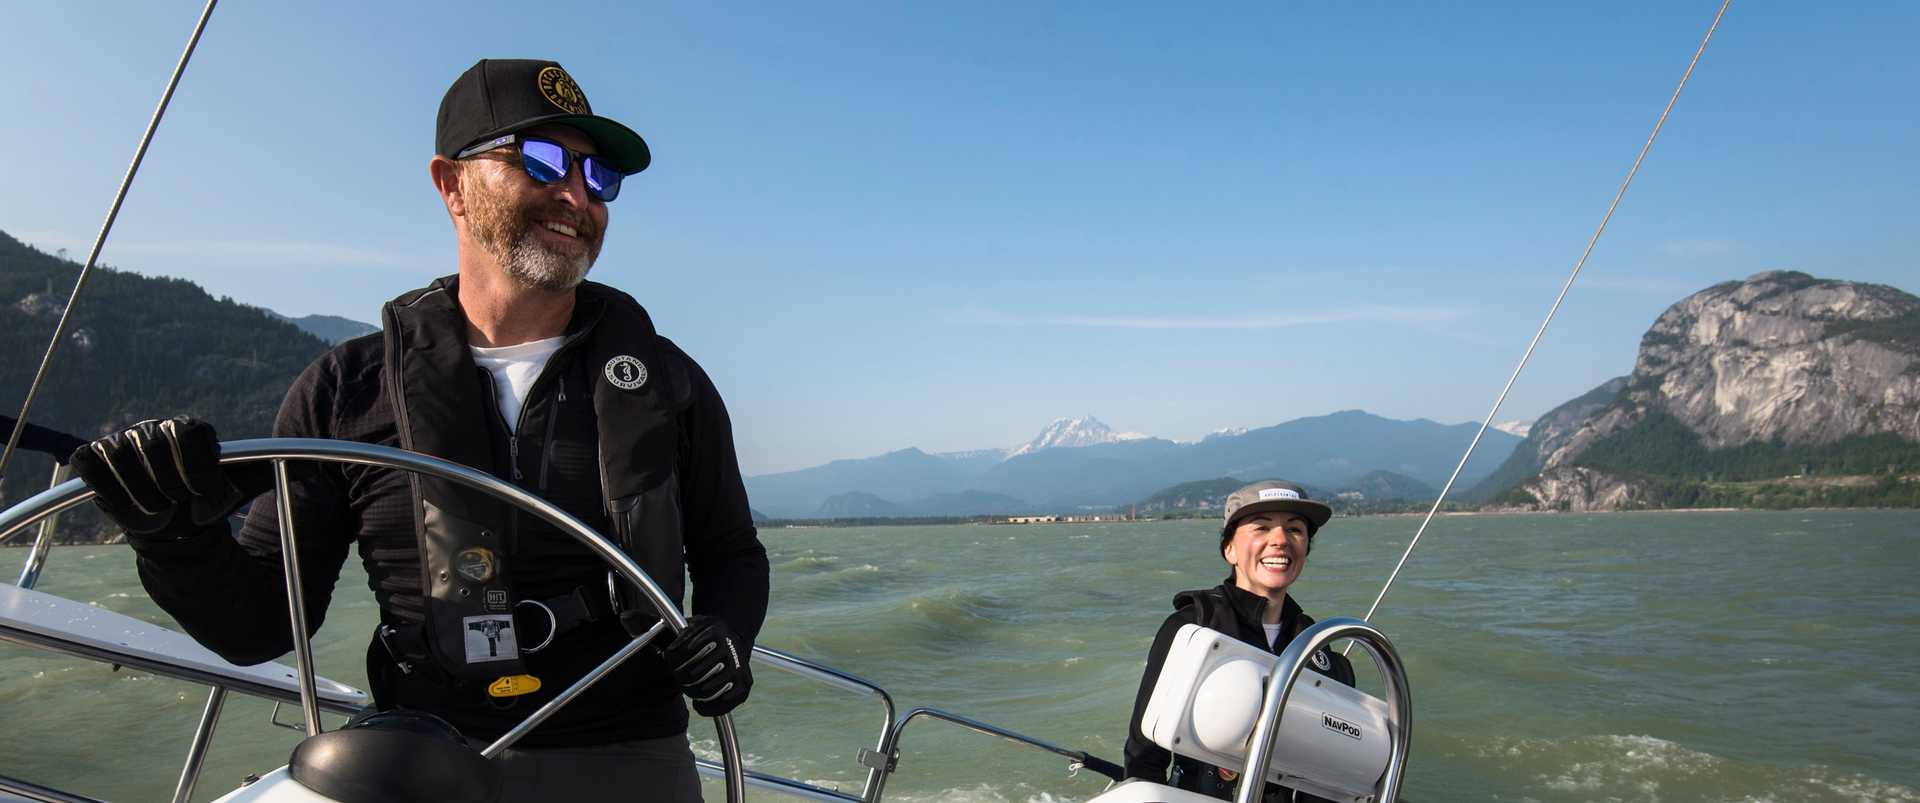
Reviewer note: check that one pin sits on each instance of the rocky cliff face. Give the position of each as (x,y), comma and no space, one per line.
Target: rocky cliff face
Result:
(1780,357)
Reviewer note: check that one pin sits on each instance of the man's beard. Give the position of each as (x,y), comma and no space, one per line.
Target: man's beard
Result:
(507,234)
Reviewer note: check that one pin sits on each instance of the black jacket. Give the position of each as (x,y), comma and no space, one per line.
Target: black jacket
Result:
(1237,613)
(227,592)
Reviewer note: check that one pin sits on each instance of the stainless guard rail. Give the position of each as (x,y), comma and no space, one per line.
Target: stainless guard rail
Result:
(43,543)
(833,677)
(890,752)
(40,794)
(1293,660)
(280,450)
(826,675)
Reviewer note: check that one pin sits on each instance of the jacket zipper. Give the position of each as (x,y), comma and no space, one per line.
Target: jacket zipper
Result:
(553,416)
(513,433)
(559,375)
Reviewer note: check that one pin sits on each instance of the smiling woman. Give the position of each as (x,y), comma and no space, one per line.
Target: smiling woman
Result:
(1267,532)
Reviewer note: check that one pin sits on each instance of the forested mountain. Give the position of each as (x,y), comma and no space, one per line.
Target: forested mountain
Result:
(1551,431)
(1199,495)
(1385,486)
(331,328)
(1373,492)
(136,347)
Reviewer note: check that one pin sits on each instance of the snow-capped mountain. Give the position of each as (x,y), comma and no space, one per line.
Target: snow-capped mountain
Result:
(1067,433)
(1226,432)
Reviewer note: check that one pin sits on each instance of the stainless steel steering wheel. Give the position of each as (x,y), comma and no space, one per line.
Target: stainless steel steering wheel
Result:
(281,450)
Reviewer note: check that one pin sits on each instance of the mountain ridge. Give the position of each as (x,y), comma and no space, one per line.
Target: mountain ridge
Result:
(1328,451)
(1735,382)
(136,347)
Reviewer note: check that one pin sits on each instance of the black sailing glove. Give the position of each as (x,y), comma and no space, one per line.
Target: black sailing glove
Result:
(709,664)
(163,479)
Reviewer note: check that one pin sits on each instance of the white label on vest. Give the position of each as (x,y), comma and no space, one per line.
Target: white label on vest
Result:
(626,372)
(489,638)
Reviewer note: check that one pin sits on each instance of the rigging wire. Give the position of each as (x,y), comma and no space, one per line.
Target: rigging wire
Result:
(1539,333)
(126,182)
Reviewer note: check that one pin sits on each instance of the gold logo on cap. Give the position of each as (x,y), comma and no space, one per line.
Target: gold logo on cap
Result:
(560,90)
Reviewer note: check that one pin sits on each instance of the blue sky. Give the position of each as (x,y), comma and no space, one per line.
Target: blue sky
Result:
(942,225)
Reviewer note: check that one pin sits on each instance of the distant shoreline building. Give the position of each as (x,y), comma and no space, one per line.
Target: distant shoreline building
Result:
(1082,519)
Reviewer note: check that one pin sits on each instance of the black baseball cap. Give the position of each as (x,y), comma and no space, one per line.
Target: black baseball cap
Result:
(496,97)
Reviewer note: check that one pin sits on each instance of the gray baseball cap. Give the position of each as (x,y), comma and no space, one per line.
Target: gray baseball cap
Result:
(1267,496)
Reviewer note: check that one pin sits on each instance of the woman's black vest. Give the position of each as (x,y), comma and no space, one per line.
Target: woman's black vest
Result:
(467,552)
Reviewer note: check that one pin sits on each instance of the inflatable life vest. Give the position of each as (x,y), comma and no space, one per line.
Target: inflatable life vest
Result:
(466,549)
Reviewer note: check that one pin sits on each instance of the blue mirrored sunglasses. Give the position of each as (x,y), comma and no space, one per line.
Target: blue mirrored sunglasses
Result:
(549,162)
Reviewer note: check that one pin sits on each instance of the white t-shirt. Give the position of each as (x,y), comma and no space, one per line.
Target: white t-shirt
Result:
(514,368)
(1273,633)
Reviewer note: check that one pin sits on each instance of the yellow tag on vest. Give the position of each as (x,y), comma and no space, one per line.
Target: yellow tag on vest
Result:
(513,686)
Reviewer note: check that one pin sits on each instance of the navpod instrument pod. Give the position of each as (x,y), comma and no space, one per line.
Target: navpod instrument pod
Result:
(1230,704)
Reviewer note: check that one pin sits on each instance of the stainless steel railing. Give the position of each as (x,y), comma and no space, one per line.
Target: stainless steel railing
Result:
(1293,661)
(43,543)
(890,750)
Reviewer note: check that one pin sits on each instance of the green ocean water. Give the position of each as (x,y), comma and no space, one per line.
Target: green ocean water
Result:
(1752,656)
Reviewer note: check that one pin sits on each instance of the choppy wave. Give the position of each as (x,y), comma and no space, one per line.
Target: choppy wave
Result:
(806,562)
(955,612)
(1634,767)
(835,582)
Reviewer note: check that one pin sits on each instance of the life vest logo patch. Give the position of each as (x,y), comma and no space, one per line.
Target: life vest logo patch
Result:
(475,563)
(1321,662)
(560,90)
(626,372)
(489,638)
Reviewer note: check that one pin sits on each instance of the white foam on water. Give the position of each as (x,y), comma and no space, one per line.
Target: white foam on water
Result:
(709,749)
(1637,758)
(1639,768)
(1865,790)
